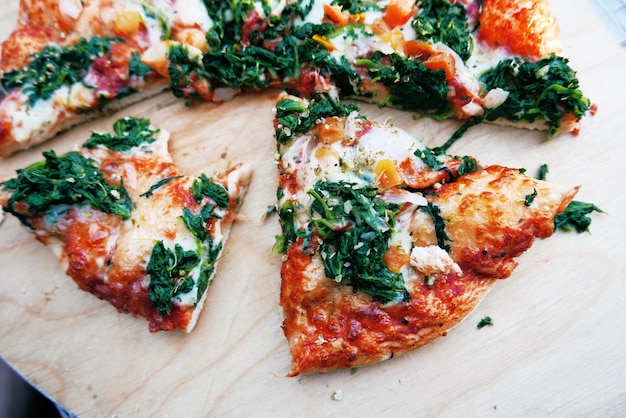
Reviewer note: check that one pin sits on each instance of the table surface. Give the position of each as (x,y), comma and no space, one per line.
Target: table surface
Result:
(558,341)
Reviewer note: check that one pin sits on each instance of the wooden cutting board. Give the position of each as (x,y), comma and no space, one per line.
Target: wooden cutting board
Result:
(558,345)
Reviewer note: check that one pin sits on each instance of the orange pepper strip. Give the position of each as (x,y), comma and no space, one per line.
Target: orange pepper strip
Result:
(418,49)
(398,12)
(323,41)
(336,15)
(444,62)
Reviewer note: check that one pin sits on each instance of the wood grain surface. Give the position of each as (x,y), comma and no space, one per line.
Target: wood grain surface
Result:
(557,347)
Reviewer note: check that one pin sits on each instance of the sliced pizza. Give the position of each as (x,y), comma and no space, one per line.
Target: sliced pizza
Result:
(69,61)
(388,244)
(126,224)
(434,57)
(437,58)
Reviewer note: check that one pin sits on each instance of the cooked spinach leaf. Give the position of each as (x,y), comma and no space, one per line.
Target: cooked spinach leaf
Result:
(196,224)
(69,179)
(412,85)
(538,91)
(169,272)
(528,199)
(440,224)
(468,165)
(54,67)
(208,267)
(445,22)
(355,228)
(127,133)
(286,216)
(157,185)
(206,187)
(184,69)
(574,217)
(136,67)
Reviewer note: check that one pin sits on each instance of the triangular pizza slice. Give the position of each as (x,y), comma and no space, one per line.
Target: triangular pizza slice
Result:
(70,61)
(126,224)
(388,244)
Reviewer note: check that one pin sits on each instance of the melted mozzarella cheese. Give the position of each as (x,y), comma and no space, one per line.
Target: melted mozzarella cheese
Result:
(38,119)
(190,13)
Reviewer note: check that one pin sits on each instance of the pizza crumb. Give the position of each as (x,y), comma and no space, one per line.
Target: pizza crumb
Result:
(337,395)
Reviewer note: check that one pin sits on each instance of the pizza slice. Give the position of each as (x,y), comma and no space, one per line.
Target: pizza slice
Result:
(388,244)
(435,57)
(126,224)
(70,61)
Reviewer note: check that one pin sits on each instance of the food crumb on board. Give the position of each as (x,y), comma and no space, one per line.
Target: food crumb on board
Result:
(337,395)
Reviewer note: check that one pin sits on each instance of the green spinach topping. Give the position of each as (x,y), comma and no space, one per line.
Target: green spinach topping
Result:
(574,217)
(468,165)
(295,117)
(412,85)
(248,50)
(170,274)
(356,6)
(432,157)
(251,67)
(528,199)
(543,171)
(204,186)
(355,228)
(69,179)
(127,133)
(286,216)
(196,224)
(157,185)
(544,90)
(435,158)
(183,70)
(136,67)
(54,67)
(172,271)
(440,224)
(441,21)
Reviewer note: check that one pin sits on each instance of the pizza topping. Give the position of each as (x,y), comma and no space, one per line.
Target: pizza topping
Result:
(412,85)
(399,12)
(355,227)
(170,275)
(441,21)
(440,225)
(545,90)
(70,179)
(205,187)
(433,260)
(293,116)
(575,216)
(127,133)
(54,67)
